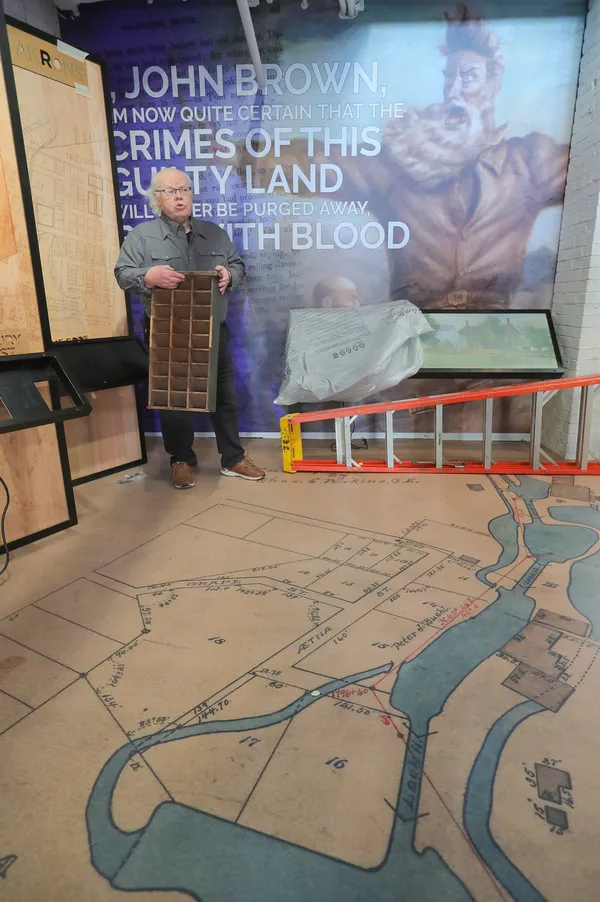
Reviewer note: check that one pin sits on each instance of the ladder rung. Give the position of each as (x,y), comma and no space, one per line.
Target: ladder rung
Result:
(439,437)
(488,416)
(535,438)
(389,438)
(339,441)
(584,428)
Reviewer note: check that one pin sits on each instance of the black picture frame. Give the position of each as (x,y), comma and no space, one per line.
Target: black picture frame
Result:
(36,263)
(497,373)
(19,376)
(97,364)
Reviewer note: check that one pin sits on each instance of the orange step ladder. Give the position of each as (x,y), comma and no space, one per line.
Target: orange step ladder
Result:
(294,462)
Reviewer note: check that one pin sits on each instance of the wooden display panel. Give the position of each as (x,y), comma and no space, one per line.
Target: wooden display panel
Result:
(31,466)
(70,172)
(184,344)
(20,328)
(99,441)
(32,462)
(73,183)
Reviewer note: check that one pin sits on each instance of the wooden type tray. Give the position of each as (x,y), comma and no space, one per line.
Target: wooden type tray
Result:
(184,344)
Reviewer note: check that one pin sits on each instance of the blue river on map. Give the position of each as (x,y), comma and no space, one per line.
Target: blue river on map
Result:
(585,574)
(214,860)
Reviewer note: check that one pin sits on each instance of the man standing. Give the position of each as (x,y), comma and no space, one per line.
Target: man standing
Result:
(156,254)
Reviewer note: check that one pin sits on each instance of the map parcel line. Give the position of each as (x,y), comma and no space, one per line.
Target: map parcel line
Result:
(326,621)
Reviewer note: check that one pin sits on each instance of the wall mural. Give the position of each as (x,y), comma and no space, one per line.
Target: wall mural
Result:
(422,158)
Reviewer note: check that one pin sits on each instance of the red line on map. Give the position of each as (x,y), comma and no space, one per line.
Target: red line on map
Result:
(456,613)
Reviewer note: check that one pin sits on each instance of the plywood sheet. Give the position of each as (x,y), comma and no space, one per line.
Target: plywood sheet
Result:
(109,437)
(69,161)
(20,331)
(30,465)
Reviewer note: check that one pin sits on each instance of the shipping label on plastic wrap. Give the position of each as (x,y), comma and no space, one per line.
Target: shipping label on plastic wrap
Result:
(350,354)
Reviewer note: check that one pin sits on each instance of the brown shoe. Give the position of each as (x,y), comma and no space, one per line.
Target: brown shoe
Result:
(183,475)
(246,469)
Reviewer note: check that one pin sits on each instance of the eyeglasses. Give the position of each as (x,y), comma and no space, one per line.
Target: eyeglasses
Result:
(169,192)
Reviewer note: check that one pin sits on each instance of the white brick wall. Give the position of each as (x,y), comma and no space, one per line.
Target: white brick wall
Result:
(41,14)
(576,303)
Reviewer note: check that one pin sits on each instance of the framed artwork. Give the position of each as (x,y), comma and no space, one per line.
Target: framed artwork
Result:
(68,151)
(509,343)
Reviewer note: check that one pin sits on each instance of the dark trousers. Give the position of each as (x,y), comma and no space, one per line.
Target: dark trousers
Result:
(177,427)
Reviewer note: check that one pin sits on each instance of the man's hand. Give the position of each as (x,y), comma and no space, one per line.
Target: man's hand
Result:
(224,278)
(162,277)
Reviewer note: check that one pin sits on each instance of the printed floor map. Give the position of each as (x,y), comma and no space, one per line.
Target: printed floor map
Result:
(300,711)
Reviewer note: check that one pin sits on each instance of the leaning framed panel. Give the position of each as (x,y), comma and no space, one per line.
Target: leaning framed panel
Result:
(491,343)
(33,462)
(64,112)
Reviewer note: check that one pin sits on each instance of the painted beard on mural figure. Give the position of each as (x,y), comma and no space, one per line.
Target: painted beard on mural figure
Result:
(469,195)
(437,143)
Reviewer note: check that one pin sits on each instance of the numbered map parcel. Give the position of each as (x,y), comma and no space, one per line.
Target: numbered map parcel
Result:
(267,706)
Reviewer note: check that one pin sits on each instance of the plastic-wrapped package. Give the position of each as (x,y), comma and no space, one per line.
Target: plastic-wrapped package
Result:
(349,354)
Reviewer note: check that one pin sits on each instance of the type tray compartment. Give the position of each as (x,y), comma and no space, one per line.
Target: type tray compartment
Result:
(184,344)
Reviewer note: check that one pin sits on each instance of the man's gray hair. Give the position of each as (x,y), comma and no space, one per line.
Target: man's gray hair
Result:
(152,196)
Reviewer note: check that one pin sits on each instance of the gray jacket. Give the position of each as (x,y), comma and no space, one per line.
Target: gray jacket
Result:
(162,241)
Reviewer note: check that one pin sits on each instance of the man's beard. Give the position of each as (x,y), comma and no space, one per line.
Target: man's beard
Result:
(435,144)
